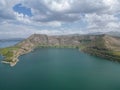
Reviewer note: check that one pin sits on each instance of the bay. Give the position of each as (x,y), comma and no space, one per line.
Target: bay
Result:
(60,69)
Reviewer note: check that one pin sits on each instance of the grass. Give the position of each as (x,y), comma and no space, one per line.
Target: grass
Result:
(8,53)
(108,54)
(7,50)
(116,53)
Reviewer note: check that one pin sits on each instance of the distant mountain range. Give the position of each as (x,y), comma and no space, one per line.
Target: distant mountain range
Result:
(112,33)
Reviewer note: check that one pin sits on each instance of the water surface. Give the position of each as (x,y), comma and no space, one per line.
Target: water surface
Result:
(60,69)
(8,43)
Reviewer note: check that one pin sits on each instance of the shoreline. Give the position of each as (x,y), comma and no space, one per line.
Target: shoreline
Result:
(12,64)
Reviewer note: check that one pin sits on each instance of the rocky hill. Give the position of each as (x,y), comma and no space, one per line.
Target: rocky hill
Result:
(100,45)
(105,46)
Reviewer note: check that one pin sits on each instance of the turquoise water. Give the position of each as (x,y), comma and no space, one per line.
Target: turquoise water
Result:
(60,69)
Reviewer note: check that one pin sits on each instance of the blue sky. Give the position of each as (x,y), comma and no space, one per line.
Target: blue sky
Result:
(21,9)
(21,18)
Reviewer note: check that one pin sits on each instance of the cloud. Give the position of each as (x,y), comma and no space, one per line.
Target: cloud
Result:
(104,22)
(100,20)
(23,31)
(60,16)
(22,18)
(69,10)
(60,10)
(6,11)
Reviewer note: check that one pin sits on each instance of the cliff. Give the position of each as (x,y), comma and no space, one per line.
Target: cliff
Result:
(100,45)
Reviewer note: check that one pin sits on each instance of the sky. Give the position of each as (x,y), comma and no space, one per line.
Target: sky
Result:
(21,18)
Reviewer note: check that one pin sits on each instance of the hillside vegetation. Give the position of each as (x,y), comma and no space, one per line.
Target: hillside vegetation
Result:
(105,46)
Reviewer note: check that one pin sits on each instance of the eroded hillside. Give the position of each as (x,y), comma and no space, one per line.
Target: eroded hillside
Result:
(100,45)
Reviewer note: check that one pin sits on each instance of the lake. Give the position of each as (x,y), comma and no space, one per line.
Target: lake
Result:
(60,69)
(8,43)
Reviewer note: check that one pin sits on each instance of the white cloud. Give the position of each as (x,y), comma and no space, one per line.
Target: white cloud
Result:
(22,18)
(21,31)
(98,15)
(102,23)
(53,24)
(6,10)
(100,20)
(69,10)
(58,5)
(111,3)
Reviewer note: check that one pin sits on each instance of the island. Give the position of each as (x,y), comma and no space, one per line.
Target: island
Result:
(103,45)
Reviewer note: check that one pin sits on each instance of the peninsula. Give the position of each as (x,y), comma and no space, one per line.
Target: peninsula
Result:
(104,46)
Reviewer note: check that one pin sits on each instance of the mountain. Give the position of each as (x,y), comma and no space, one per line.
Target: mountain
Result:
(96,33)
(114,33)
(111,33)
(100,45)
(105,46)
